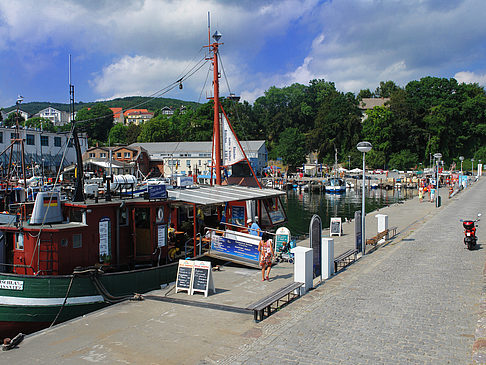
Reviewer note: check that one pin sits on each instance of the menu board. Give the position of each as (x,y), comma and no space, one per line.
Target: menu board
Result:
(336,226)
(184,275)
(202,279)
(194,276)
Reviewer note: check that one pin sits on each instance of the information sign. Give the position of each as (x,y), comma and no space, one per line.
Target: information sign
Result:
(238,216)
(157,191)
(161,235)
(104,228)
(202,279)
(234,248)
(336,226)
(184,275)
(282,237)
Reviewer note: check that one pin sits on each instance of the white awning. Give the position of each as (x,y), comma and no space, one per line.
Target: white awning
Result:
(207,195)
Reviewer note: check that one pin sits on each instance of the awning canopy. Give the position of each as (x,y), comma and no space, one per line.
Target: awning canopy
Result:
(207,195)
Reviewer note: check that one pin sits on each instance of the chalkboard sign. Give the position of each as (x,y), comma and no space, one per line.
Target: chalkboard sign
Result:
(184,275)
(202,280)
(336,228)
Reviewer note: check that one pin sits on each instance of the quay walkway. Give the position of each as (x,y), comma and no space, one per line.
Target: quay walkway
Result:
(414,299)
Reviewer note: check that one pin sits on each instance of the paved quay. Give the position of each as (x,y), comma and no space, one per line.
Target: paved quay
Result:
(413,300)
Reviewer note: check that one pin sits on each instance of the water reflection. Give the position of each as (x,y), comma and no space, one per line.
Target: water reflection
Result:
(302,205)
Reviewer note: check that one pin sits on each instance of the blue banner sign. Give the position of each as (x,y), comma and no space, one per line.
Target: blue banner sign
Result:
(238,249)
(157,191)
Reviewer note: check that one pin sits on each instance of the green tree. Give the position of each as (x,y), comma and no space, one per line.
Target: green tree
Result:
(12,120)
(364,93)
(378,128)
(42,123)
(96,122)
(386,89)
(133,131)
(291,148)
(157,129)
(403,160)
(118,134)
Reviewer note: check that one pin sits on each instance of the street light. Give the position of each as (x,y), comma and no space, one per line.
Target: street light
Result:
(461,158)
(472,166)
(437,157)
(363,147)
(349,162)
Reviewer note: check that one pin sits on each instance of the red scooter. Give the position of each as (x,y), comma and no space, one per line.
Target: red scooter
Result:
(470,238)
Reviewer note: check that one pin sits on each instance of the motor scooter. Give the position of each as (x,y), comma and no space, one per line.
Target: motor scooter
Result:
(470,238)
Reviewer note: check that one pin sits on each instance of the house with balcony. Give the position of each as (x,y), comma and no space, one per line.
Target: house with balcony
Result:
(57,117)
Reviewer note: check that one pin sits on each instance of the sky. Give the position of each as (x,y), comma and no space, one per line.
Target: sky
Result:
(140,47)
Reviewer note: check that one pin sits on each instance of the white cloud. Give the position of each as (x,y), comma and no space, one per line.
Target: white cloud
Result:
(470,78)
(141,75)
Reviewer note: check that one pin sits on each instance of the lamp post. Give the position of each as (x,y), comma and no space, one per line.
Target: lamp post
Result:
(437,157)
(363,147)
(472,166)
(349,162)
(461,158)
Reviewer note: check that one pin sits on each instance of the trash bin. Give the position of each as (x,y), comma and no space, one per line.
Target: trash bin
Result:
(438,201)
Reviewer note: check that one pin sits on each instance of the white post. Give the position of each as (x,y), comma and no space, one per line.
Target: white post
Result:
(303,270)
(327,258)
(382,223)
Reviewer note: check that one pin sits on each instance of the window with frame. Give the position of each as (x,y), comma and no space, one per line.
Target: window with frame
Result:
(44,140)
(127,155)
(14,135)
(92,154)
(57,141)
(103,154)
(64,242)
(1,137)
(19,241)
(118,154)
(30,139)
(77,240)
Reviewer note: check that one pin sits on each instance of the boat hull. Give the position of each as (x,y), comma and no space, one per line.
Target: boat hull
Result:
(30,303)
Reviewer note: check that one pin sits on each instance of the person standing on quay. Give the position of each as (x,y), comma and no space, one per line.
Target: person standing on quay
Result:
(265,250)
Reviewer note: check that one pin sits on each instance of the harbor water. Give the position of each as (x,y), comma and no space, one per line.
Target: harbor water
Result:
(302,205)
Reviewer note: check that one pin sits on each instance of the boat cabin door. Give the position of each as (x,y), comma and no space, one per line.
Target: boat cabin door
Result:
(141,229)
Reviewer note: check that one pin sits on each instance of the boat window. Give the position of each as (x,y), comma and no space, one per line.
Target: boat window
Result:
(142,218)
(123,217)
(64,242)
(77,240)
(76,215)
(19,241)
(273,212)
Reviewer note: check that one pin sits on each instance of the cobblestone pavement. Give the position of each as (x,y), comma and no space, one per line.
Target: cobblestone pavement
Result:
(415,301)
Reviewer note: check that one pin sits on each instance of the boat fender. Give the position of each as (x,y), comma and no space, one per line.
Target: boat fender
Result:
(137,297)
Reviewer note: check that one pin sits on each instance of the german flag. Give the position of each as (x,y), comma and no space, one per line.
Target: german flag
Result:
(52,201)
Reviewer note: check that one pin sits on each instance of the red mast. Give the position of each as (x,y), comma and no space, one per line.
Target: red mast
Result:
(217,124)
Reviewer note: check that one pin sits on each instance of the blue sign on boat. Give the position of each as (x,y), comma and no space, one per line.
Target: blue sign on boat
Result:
(157,191)
(236,249)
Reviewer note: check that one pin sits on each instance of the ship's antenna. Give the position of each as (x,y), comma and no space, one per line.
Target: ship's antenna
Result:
(209,27)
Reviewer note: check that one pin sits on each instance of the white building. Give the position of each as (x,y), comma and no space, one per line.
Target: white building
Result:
(22,113)
(182,157)
(40,148)
(57,117)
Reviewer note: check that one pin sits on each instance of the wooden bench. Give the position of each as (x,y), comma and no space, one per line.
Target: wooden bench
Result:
(386,234)
(345,259)
(266,303)
(374,240)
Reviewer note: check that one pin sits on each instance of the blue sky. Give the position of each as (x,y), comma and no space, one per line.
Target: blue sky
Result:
(136,47)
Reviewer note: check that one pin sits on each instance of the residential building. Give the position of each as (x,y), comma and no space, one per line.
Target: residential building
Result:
(137,116)
(57,117)
(22,113)
(369,103)
(40,147)
(134,160)
(185,157)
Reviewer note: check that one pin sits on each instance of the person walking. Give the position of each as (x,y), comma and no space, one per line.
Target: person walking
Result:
(265,250)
